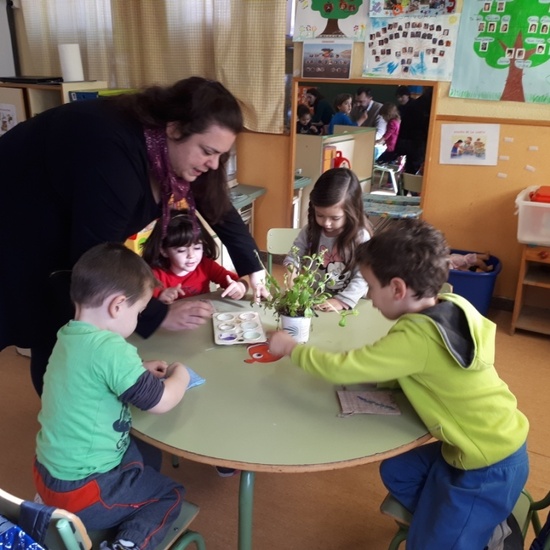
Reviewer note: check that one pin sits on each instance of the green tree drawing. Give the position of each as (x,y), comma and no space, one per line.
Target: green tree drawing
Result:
(513,38)
(333,10)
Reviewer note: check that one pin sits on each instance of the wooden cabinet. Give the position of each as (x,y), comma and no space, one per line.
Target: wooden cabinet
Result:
(532,302)
(356,144)
(39,97)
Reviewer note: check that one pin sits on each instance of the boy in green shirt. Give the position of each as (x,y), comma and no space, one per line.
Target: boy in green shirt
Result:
(441,353)
(86,461)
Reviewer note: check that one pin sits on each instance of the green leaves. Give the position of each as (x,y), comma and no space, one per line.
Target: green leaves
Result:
(302,289)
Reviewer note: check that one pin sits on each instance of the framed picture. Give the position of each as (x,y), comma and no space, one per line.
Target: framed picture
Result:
(326,59)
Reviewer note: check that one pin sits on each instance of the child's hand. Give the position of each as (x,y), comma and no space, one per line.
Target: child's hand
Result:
(180,370)
(170,295)
(332,304)
(235,289)
(281,343)
(156,368)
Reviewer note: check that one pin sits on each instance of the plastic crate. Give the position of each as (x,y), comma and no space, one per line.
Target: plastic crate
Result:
(533,219)
(476,287)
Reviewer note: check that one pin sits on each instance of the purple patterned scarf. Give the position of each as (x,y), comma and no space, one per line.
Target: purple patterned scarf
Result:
(175,192)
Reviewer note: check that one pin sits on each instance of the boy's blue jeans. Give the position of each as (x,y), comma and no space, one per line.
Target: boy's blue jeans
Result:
(453,509)
(134,496)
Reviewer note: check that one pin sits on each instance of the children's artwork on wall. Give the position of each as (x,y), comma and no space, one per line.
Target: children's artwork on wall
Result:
(395,8)
(504,51)
(411,47)
(326,59)
(330,19)
(469,144)
(8,117)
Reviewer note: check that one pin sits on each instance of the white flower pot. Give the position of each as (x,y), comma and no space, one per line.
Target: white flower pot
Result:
(298,327)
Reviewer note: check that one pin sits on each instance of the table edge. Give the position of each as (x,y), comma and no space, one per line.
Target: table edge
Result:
(283,468)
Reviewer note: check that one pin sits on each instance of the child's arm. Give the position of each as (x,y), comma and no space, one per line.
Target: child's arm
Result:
(281,343)
(170,295)
(235,289)
(175,384)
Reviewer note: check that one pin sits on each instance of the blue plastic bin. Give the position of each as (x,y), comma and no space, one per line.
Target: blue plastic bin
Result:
(476,287)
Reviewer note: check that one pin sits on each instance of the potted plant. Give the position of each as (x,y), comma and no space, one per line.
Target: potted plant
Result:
(302,289)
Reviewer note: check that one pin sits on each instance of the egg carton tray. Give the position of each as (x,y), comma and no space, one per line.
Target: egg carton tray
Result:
(238,327)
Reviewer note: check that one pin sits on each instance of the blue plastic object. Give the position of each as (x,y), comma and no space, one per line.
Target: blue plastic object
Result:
(476,287)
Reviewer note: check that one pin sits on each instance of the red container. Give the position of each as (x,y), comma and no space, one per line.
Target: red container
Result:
(542,194)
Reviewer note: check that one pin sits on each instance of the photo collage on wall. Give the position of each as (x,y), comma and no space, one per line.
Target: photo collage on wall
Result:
(413,39)
(411,47)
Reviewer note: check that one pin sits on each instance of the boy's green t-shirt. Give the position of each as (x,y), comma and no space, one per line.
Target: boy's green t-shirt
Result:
(84,427)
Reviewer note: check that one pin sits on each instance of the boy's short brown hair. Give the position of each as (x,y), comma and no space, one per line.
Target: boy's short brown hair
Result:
(107,269)
(412,250)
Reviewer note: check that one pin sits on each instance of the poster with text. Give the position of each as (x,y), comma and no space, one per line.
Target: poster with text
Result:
(504,51)
(411,47)
(330,19)
(326,59)
(469,144)
(427,8)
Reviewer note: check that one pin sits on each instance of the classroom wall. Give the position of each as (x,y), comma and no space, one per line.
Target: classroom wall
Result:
(474,205)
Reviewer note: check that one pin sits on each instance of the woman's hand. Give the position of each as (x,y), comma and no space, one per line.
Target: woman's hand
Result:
(235,289)
(281,343)
(187,314)
(257,282)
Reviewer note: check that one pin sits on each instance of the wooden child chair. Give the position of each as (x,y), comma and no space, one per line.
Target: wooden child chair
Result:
(65,531)
(279,241)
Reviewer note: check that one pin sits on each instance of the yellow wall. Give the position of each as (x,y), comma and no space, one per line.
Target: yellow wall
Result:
(475,205)
(264,161)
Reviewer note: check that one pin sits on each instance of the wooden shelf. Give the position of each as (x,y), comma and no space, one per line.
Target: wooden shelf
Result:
(535,319)
(534,273)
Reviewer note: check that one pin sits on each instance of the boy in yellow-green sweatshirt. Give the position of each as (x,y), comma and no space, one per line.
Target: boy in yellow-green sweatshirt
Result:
(441,352)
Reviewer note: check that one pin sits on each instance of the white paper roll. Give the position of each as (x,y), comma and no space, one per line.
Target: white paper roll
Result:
(71,62)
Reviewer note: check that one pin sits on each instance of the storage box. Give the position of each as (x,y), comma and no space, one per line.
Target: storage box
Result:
(533,218)
(476,287)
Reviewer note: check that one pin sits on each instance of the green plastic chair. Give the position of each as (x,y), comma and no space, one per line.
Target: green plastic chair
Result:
(525,513)
(279,241)
(67,532)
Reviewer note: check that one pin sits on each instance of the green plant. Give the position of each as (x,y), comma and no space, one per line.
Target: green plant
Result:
(302,289)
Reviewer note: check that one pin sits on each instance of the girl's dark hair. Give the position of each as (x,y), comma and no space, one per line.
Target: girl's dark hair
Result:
(180,232)
(107,269)
(302,110)
(194,104)
(409,249)
(339,185)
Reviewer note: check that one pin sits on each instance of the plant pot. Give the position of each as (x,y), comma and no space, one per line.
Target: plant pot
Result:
(297,327)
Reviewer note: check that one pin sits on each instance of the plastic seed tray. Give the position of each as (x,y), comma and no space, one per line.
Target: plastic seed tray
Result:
(237,327)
